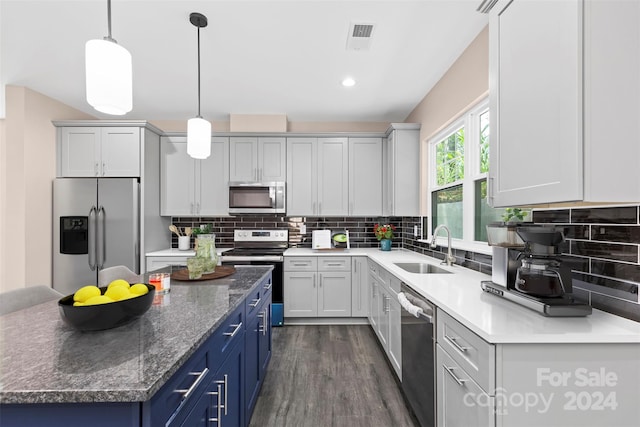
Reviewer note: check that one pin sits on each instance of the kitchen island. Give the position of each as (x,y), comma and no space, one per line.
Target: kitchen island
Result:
(52,374)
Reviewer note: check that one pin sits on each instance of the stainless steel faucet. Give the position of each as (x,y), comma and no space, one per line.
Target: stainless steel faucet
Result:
(449,258)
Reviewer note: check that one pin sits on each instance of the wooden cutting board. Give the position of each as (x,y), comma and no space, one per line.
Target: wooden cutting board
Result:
(221,271)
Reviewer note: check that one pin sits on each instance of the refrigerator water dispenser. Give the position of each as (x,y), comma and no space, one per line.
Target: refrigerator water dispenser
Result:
(74,235)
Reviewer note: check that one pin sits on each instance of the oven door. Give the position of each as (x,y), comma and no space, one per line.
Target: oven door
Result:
(277,306)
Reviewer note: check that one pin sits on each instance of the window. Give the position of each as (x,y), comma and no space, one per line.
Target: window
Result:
(459,164)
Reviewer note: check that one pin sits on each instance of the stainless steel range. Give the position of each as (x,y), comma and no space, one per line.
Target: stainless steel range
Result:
(262,247)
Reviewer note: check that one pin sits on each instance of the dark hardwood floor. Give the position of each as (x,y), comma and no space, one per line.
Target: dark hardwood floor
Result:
(329,376)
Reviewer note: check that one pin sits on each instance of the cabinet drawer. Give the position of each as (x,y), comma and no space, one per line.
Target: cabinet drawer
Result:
(229,331)
(300,264)
(334,263)
(460,400)
(256,298)
(177,395)
(472,353)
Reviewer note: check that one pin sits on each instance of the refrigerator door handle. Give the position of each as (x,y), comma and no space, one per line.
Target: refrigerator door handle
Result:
(102,241)
(92,238)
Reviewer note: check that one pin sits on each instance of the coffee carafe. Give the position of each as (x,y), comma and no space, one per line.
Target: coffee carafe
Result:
(542,272)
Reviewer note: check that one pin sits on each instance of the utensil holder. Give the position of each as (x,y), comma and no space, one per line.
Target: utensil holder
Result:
(184,243)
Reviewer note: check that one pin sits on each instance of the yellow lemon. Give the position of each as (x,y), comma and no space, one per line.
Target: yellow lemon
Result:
(117,293)
(118,282)
(86,292)
(139,289)
(100,299)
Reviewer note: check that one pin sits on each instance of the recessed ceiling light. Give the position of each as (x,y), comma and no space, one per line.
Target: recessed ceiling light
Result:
(348,82)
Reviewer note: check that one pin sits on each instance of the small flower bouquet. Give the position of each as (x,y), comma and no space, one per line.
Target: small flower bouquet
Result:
(384,231)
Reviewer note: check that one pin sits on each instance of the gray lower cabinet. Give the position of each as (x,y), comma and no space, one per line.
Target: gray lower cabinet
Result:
(536,384)
(384,316)
(359,287)
(317,286)
(465,376)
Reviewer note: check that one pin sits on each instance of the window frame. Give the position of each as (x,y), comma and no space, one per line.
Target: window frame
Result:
(470,121)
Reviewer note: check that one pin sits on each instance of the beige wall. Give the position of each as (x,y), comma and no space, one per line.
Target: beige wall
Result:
(28,168)
(465,83)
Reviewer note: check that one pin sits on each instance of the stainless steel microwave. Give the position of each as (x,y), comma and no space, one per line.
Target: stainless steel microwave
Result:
(257,197)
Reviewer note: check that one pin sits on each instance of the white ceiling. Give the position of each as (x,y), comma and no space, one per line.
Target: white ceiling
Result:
(258,57)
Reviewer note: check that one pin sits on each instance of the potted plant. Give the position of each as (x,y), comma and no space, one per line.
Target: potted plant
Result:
(384,234)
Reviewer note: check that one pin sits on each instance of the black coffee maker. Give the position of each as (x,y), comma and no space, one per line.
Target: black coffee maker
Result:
(542,272)
(529,269)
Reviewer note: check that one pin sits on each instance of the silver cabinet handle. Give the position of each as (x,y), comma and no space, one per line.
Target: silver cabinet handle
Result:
(235,331)
(263,327)
(254,303)
(490,191)
(313,208)
(300,264)
(197,207)
(454,376)
(104,168)
(225,386)
(191,209)
(319,208)
(186,393)
(314,281)
(96,169)
(267,286)
(320,281)
(219,406)
(453,342)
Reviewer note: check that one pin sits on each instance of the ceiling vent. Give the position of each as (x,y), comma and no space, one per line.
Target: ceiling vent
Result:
(359,37)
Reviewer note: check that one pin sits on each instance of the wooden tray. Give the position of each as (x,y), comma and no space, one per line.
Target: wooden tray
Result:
(221,271)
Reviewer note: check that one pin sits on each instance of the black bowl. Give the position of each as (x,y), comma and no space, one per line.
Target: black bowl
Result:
(105,316)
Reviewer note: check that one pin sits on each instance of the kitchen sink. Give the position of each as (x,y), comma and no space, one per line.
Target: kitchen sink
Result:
(421,268)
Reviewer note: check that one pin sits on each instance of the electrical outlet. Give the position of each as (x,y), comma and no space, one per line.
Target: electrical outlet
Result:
(415,231)
(303,229)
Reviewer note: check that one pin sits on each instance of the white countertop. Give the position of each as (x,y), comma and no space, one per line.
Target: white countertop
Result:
(494,319)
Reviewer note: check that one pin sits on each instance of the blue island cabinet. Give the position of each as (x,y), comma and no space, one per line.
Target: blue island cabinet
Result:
(258,343)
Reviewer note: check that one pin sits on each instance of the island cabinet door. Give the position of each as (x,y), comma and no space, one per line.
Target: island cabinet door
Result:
(222,403)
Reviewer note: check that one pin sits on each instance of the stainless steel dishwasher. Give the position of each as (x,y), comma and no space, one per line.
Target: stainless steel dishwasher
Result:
(418,354)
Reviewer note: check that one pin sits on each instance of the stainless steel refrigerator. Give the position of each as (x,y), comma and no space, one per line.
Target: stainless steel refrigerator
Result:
(96,225)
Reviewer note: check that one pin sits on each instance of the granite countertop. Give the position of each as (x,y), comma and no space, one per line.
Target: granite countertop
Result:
(44,360)
(494,319)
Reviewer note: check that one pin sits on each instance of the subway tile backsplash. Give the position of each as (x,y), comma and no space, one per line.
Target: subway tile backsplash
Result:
(603,245)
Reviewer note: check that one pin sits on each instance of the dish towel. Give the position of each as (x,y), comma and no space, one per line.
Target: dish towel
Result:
(412,309)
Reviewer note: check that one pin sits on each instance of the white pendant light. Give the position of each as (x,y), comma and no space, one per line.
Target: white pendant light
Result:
(198,129)
(109,75)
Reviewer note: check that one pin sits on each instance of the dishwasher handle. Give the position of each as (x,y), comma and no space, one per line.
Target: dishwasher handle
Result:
(418,312)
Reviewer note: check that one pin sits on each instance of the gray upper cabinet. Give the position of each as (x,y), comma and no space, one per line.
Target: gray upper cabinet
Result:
(257,159)
(565,102)
(192,187)
(401,170)
(317,176)
(302,175)
(365,176)
(95,151)
(333,176)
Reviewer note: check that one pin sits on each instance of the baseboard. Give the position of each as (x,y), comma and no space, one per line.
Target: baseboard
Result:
(326,321)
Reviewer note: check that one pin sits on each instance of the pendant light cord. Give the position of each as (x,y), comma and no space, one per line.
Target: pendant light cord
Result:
(109,38)
(199,73)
